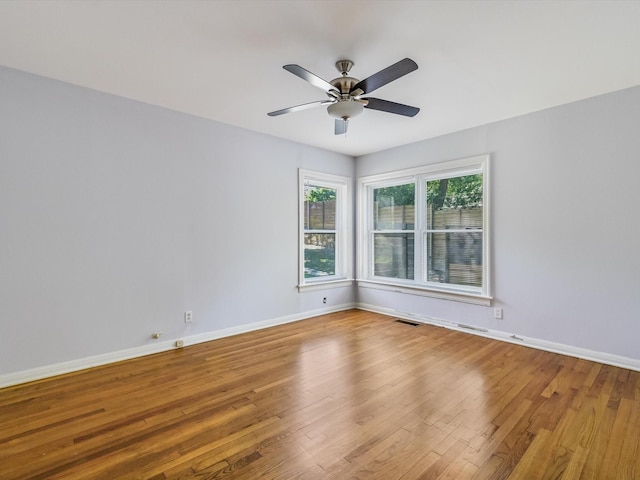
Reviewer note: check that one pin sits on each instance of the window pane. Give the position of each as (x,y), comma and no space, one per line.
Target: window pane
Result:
(319,208)
(394,207)
(319,254)
(393,255)
(455,258)
(454,202)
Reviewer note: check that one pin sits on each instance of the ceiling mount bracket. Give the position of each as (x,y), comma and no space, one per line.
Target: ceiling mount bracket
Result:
(344,66)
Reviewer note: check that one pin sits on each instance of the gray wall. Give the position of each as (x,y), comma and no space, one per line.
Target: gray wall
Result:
(117,216)
(565,223)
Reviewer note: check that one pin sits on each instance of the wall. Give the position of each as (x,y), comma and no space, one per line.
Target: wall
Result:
(117,216)
(565,225)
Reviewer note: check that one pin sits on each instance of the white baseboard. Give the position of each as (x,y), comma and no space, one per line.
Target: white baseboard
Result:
(569,350)
(228,332)
(46,371)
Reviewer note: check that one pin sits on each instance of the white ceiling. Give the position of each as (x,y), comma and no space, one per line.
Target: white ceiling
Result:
(479,61)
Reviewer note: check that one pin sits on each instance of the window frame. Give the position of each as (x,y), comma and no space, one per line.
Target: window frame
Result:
(343,226)
(419,285)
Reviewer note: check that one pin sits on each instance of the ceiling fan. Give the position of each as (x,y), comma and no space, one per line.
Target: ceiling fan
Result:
(344,92)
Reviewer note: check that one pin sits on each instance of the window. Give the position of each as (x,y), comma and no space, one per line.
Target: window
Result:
(325,243)
(427,229)
(393,231)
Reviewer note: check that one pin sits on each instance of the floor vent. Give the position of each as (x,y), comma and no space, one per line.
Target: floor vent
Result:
(408,322)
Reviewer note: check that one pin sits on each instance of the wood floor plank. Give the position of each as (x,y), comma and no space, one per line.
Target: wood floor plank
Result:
(347,395)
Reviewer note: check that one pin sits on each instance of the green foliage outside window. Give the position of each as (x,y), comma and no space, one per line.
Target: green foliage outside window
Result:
(456,192)
(401,194)
(320,194)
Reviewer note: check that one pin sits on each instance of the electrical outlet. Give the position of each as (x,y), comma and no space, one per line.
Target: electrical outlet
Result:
(188,316)
(324,300)
(497,313)
(179,343)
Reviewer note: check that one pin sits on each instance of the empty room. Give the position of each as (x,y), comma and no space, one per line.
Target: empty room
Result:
(319,239)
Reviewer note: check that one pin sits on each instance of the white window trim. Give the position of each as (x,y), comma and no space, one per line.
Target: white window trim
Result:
(344,238)
(365,278)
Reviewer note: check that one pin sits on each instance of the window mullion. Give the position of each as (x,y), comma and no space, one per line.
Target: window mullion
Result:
(419,225)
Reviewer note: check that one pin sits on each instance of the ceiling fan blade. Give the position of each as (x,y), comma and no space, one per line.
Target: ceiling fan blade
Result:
(313,79)
(297,108)
(390,107)
(383,77)
(341,126)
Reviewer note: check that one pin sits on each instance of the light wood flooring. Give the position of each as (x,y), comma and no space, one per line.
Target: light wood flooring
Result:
(350,395)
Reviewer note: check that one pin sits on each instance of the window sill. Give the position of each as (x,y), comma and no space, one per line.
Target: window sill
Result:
(427,292)
(310,287)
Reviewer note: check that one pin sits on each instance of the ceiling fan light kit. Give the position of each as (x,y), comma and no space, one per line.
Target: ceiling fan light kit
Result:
(344,92)
(345,109)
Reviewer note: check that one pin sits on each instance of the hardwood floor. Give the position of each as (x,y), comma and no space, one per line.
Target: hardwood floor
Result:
(351,395)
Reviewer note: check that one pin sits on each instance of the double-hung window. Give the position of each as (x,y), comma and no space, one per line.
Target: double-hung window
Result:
(325,225)
(427,229)
(393,232)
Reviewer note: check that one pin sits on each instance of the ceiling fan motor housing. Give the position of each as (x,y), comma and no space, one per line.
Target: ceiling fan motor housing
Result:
(344,84)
